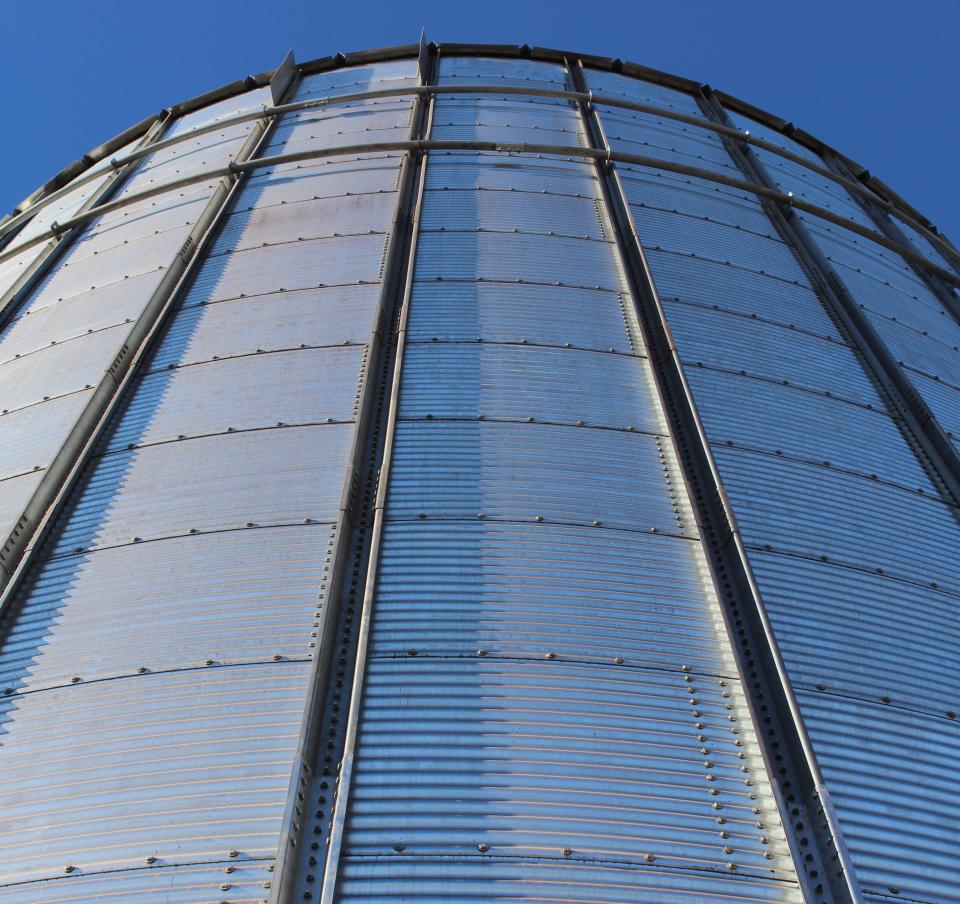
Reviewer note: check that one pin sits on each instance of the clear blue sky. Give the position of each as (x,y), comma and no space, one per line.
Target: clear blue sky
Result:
(878,80)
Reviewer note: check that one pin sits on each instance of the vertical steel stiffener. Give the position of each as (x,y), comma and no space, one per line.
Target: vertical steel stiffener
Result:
(535,478)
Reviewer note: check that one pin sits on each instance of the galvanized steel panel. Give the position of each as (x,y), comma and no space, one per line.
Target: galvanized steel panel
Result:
(521,590)
(65,207)
(451,380)
(513,211)
(710,283)
(771,417)
(943,399)
(301,220)
(630,132)
(792,176)
(689,196)
(495,71)
(220,486)
(505,312)
(323,179)
(759,349)
(59,369)
(771,135)
(390,878)
(813,188)
(905,838)
(375,120)
(13,268)
(487,118)
(642,92)
(221,109)
(457,170)
(924,246)
(242,596)
(253,392)
(685,228)
(505,470)
(775,511)
(308,317)
(169,213)
(853,633)
(516,257)
(544,756)
(33,434)
(77,274)
(44,321)
(180,884)
(15,493)
(147,766)
(294,265)
(352,79)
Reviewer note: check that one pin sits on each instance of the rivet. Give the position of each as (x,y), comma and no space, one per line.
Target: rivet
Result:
(399,846)
(549,655)
(567,852)
(649,858)
(69,868)
(618,660)
(481,652)
(483,847)
(151,859)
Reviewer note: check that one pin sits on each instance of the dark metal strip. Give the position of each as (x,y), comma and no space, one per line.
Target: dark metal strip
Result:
(570,151)
(357,539)
(634,70)
(852,185)
(797,785)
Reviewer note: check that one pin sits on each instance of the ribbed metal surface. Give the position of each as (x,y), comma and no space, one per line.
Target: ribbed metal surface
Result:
(532,668)
(437,879)
(906,838)
(911,320)
(551,704)
(449,589)
(845,530)
(805,183)
(224,467)
(101,776)
(523,381)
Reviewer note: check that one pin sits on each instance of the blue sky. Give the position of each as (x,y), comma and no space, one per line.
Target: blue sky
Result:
(875,79)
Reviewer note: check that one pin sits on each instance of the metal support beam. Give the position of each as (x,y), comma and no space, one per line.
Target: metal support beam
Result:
(851,185)
(61,475)
(358,534)
(928,437)
(795,778)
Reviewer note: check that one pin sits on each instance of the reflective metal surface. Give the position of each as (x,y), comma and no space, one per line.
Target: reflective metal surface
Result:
(356,546)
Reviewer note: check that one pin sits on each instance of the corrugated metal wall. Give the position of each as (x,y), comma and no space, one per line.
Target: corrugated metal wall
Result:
(549,678)
(835,507)
(160,715)
(551,701)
